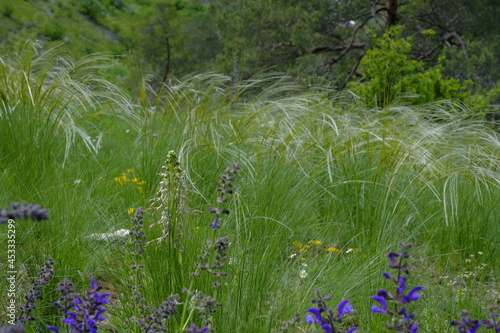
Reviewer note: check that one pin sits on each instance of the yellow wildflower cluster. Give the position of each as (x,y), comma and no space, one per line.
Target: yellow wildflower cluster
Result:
(128,177)
(333,249)
(301,247)
(315,247)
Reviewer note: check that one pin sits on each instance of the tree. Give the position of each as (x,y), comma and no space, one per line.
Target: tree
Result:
(176,37)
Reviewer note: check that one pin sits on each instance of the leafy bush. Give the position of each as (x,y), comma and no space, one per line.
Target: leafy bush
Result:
(390,76)
(53,31)
(93,9)
(7,10)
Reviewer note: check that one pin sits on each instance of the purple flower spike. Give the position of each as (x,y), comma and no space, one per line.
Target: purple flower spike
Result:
(414,329)
(405,314)
(53,328)
(344,307)
(474,329)
(383,293)
(391,255)
(401,285)
(352,329)
(327,328)
(387,275)
(310,319)
(412,295)
(215,223)
(383,305)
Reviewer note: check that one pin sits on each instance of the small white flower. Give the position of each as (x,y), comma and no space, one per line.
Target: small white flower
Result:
(292,255)
(77,181)
(480,253)
(349,250)
(303,273)
(304,264)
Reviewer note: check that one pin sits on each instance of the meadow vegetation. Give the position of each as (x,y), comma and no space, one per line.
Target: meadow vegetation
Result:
(324,186)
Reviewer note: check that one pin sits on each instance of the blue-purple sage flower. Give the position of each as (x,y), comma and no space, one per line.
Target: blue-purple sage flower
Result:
(324,316)
(466,324)
(45,274)
(86,311)
(23,211)
(195,329)
(226,178)
(401,320)
(494,321)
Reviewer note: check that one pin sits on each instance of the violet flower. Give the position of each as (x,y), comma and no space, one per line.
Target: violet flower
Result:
(87,310)
(402,321)
(324,316)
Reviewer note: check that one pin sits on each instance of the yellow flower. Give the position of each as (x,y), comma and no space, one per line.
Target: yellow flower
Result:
(130,170)
(304,247)
(333,249)
(131,210)
(315,242)
(297,244)
(138,181)
(121,180)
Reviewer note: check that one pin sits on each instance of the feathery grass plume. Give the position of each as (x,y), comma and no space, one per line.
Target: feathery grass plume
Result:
(401,321)
(45,274)
(171,202)
(23,211)
(325,317)
(86,310)
(48,95)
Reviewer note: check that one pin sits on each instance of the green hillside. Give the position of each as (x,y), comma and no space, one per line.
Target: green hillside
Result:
(83,29)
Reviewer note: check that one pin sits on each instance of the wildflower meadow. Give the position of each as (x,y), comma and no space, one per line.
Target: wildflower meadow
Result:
(260,206)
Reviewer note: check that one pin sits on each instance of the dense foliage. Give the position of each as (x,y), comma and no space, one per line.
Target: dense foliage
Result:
(277,147)
(319,41)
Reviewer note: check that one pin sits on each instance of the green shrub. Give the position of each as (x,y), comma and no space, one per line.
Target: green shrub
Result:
(93,9)
(53,30)
(390,76)
(7,10)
